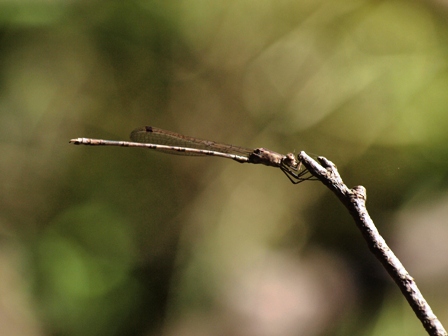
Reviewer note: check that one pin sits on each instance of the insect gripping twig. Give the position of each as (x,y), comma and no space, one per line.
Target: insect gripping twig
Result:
(174,143)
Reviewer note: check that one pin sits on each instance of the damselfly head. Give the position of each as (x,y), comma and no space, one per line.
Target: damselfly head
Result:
(290,161)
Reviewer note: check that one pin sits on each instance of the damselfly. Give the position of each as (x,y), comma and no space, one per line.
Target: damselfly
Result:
(174,143)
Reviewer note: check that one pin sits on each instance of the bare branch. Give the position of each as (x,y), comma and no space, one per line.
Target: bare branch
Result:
(355,201)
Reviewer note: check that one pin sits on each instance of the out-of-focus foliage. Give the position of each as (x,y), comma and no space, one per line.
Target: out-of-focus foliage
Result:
(120,241)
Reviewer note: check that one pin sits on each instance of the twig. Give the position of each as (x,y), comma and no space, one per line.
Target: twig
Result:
(355,201)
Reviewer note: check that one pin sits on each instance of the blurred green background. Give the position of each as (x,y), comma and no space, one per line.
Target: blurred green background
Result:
(122,241)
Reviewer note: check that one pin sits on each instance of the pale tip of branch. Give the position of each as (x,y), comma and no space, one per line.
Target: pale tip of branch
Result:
(360,192)
(325,162)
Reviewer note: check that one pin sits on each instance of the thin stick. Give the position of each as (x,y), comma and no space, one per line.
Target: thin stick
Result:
(355,201)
